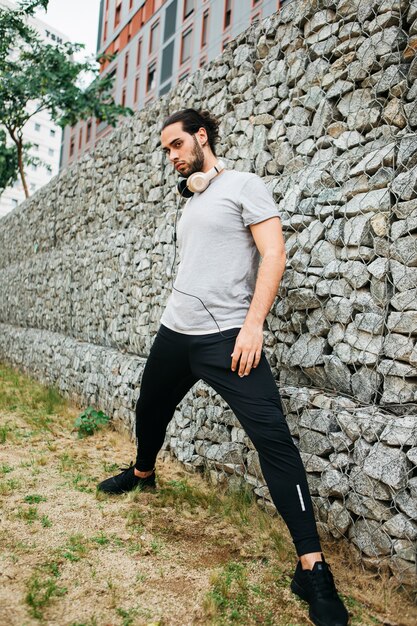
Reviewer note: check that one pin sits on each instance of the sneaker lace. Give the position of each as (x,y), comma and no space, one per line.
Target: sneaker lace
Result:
(127,467)
(323,583)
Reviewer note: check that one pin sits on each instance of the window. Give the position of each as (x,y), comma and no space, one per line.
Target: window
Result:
(126,65)
(186,45)
(188,8)
(117,13)
(139,52)
(80,138)
(203,61)
(130,4)
(165,89)
(88,130)
(153,41)
(37,127)
(105,31)
(167,61)
(183,76)
(52,132)
(227,13)
(204,28)
(136,89)
(151,78)
(129,30)
(124,96)
(170,20)
(116,44)
(72,146)
(51,151)
(254,3)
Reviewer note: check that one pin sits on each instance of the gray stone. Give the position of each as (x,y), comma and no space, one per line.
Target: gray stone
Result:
(338,519)
(388,465)
(402,432)
(314,463)
(404,250)
(322,254)
(302,299)
(317,323)
(405,301)
(361,449)
(365,384)
(307,351)
(405,549)
(356,274)
(376,200)
(367,507)
(333,483)
(407,503)
(321,420)
(312,442)
(403,227)
(336,287)
(338,373)
(398,346)
(370,538)
(404,277)
(319,19)
(374,160)
(400,526)
(405,184)
(379,268)
(405,322)
(348,139)
(398,390)
(340,441)
(367,486)
(412,455)
(362,340)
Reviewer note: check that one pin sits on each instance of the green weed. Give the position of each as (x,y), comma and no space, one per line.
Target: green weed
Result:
(45,521)
(42,588)
(90,421)
(29,514)
(76,548)
(34,499)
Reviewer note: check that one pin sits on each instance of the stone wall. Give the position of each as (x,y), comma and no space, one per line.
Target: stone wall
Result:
(321,101)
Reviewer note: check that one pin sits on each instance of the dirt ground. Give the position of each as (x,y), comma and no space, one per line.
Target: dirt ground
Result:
(186,555)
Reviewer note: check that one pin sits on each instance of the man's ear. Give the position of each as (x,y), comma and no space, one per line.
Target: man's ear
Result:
(202,135)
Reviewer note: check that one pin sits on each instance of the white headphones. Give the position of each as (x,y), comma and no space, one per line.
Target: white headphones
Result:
(199,181)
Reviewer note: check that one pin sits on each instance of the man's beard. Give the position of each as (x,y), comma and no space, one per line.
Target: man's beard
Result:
(197,159)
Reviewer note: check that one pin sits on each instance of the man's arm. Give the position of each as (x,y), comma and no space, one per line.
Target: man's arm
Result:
(269,240)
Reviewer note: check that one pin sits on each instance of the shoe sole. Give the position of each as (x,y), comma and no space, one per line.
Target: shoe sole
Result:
(299,591)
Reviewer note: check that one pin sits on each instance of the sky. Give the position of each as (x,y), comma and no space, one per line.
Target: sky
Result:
(78,19)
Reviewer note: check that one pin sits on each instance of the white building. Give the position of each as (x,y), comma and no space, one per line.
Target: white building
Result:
(40,130)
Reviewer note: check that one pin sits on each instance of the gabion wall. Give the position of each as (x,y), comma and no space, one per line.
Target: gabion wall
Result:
(321,101)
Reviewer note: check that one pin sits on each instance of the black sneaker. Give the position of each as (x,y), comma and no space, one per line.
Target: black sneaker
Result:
(127,481)
(317,587)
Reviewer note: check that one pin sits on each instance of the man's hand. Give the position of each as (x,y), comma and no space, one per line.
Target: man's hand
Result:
(247,350)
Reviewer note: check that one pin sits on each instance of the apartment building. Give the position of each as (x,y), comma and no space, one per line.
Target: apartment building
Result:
(40,131)
(158,43)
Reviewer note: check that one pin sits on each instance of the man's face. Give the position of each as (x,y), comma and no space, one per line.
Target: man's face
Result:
(182,149)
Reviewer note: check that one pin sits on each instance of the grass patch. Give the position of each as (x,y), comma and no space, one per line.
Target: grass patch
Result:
(42,588)
(34,499)
(76,548)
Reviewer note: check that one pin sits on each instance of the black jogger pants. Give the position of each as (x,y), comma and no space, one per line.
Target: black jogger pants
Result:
(175,363)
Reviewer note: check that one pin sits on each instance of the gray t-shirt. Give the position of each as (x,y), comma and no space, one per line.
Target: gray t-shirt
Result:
(218,256)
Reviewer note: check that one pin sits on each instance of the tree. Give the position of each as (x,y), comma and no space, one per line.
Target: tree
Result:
(34,72)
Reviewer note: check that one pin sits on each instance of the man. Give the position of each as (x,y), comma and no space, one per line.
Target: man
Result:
(212,329)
